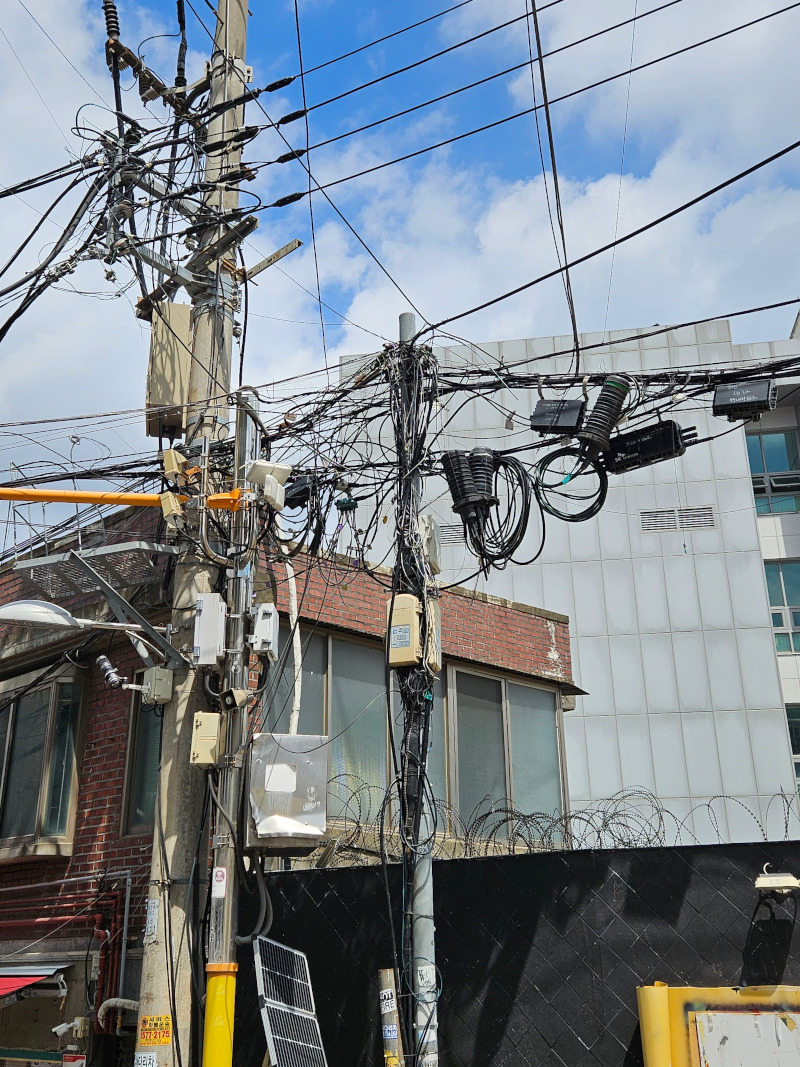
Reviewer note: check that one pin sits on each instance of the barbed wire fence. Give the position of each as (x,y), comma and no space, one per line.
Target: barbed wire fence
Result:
(630,818)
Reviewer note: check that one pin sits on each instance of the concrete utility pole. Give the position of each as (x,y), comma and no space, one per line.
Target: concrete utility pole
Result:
(419,820)
(165,991)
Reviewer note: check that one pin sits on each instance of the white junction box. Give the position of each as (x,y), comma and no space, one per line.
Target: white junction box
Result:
(288,793)
(209,630)
(206,739)
(402,620)
(264,638)
(431,541)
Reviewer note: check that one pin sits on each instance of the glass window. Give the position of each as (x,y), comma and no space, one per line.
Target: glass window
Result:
(38,773)
(780,452)
(774,454)
(535,762)
(312,692)
(62,759)
(783,585)
(357,730)
(26,759)
(143,767)
(481,747)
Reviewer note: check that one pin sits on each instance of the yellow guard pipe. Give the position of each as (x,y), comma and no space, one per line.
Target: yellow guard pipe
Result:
(221,501)
(220,1002)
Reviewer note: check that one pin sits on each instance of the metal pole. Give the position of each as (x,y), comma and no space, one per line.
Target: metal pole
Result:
(222,967)
(421,823)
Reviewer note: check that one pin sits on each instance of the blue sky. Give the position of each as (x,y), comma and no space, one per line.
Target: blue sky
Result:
(453,227)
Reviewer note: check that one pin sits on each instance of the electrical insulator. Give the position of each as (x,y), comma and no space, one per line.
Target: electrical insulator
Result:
(112,19)
(605,413)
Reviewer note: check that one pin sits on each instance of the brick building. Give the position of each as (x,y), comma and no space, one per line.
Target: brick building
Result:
(78,764)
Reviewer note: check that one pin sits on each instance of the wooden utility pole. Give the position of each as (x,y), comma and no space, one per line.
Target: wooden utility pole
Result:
(166,991)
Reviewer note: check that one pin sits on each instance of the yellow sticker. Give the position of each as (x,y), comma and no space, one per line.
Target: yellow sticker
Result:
(155,1030)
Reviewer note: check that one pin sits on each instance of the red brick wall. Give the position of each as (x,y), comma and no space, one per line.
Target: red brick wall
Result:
(484,630)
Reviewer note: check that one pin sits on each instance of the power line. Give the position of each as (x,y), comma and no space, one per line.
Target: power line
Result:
(61,53)
(626,237)
(554,100)
(405,29)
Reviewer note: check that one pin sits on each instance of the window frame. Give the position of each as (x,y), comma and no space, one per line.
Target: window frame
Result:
(451,725)
(39,843)
(786,611)
(450,666)
(766,484)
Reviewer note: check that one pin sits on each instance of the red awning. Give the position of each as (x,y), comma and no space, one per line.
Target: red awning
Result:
(18,981)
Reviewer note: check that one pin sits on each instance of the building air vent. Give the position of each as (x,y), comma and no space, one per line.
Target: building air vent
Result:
(654,521)
(696,518)
(452,533)
(665,519)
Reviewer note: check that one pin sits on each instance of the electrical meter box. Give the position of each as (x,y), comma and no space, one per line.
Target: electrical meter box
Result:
(209,630)
(433,643)
(168,369)
(405,648)
(288,779)
(207,734)
(264,638)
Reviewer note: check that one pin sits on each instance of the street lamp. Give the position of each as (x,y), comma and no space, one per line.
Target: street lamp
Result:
(54,617)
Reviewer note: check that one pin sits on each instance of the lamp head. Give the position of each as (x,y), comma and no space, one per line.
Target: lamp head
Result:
(39,613)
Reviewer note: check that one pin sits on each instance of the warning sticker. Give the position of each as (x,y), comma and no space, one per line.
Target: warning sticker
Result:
(401,637)
(145,1059)
(387,1001)
(390,1032)
(219,883)
(155,1030)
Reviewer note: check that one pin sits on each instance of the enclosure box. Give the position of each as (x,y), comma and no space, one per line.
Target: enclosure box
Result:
(288,783)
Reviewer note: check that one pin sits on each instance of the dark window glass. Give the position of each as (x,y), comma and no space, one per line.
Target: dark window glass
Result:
(791,582)
(754,454)
(312,691)
(143,769)
(62,759)
(793,717)
(357,731)
(481,750)
(782,643)
(780,452)
(536,778)
(24,776)
(773,573)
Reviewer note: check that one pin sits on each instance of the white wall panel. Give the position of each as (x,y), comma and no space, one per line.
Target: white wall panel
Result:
(702,759)
(596,664)
(659,673)
(691,671)
(723,670)
(627,674)
(605,776)
(769,738)
(636,752)
(735,753)
(577,759)
(669,756)
(587,585)
(651,595)
(682,597)
(620,596)
(759,674)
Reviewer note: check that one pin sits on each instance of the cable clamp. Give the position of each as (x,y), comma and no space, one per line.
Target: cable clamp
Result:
(221,841)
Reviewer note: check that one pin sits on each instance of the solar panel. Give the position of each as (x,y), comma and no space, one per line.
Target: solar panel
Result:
(287,1006)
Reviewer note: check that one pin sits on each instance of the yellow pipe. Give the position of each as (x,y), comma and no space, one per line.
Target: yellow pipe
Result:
(654,1017)
(220,1001)
(221,501)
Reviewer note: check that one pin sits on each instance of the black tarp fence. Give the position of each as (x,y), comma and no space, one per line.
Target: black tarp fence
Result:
(539,955)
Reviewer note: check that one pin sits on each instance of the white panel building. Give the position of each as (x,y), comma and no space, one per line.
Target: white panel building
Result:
(674,635)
